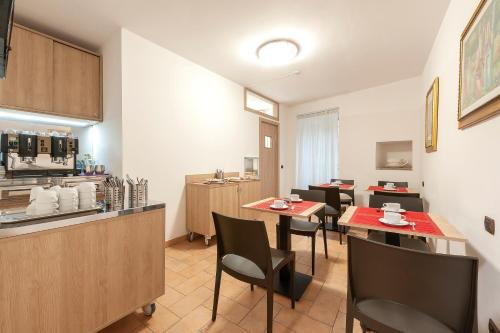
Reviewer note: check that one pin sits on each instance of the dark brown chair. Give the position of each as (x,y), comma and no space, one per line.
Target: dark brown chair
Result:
(308,228)
(397,194)
(407,203)
(348,197)
(391,290)
(333,207)
(243,252)
(397,184)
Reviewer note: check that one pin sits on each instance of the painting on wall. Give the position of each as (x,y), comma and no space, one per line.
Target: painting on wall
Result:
(479,86)
(431,116)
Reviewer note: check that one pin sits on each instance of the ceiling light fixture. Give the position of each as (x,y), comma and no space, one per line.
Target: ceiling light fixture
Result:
(278,52)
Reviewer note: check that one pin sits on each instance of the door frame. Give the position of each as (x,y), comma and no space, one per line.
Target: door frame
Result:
(261,143)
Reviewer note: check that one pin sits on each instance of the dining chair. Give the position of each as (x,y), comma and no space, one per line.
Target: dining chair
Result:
(243,252)
(308,228)
(346,196)
(407,203)
(333,208)
(392,289)
(397,184)
(397,194)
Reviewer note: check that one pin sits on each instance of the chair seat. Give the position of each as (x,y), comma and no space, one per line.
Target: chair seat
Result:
(246,267)
(345,198)
(405,242)
(400,317)
(330,211)
(303,227)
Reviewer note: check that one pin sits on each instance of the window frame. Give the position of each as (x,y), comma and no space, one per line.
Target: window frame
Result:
(262,114)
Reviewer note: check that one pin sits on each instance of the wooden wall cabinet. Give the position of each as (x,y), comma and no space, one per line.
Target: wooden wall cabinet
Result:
(46,75)
(28,85)
(226,199)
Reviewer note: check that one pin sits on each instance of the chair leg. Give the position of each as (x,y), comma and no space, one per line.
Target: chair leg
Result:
(218,274)
(324,241)
(251,287)
(292,282)
(349,322)
(270,293)
(313,250)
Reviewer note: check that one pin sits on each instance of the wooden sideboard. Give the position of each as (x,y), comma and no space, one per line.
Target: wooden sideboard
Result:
(203,199)
(47,75)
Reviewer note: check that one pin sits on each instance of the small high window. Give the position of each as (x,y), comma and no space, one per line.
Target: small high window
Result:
(261,105)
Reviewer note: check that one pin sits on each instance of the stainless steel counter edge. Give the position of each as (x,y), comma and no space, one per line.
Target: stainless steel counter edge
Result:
(67,221)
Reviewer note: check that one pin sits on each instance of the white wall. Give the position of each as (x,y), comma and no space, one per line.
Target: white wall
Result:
(179,118)
(470,154)
(384,113)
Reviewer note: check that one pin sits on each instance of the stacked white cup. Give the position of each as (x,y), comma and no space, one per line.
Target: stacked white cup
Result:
(46,203)
(87,195)
(68,199)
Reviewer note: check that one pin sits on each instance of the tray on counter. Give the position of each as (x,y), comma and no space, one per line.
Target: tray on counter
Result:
(20,216)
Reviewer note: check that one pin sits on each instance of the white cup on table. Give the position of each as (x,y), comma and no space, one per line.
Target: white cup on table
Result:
(392,206)
(279,203)
(294,197)
(394,218)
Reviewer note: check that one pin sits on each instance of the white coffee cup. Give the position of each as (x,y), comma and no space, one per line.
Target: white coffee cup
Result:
(389,185)
(392,217)
(279,203)
(392,206)
(294,197)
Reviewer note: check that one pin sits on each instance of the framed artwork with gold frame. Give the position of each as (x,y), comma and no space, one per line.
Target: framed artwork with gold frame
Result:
(479,82)
(431,116)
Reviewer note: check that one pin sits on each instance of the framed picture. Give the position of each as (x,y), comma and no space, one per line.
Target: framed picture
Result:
(431,116)
(479,85)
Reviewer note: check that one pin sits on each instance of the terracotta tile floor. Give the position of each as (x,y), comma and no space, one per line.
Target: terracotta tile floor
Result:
(189,282)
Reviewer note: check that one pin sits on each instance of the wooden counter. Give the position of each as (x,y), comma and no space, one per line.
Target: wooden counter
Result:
(83,277)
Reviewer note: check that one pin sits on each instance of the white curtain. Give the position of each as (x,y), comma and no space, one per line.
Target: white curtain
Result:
(317,147)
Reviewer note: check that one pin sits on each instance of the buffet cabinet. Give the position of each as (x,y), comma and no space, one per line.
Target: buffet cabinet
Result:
(46,75)
(227,199)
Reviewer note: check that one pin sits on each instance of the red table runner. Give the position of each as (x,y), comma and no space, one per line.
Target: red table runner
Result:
(298,207)
(381,188)
(341,186)
(369,217)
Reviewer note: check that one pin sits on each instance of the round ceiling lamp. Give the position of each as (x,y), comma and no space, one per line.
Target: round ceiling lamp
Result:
(278,52)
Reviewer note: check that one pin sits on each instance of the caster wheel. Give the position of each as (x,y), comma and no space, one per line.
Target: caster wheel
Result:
(149,309)
(190,236)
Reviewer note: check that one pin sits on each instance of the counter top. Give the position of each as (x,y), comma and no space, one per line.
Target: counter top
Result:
(58,221)
(227,183)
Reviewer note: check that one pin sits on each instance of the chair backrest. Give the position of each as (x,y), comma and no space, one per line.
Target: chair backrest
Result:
(408,203)
(245,238)
(332,195)
(344,181)
(397,194)
(442,286)
(397,184)
(316,196)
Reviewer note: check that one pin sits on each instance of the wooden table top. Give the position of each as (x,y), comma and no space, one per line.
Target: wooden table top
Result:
(448,230)
(305,214)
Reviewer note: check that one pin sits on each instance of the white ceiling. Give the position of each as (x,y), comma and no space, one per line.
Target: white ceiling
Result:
(346,45)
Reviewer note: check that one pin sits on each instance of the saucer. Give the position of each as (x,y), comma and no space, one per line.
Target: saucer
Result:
(297,201)
(390,188)
(401,223)
(285,207)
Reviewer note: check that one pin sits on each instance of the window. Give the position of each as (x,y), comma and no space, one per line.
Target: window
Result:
(317,147)
(261,105)
(267,142)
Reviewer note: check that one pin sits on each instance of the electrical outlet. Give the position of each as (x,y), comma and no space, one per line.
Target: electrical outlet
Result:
(489,225)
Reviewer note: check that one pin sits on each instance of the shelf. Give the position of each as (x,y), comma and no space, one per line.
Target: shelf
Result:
(404,168)
(393,151)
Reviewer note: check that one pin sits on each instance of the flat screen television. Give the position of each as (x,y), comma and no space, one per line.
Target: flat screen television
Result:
(6,20)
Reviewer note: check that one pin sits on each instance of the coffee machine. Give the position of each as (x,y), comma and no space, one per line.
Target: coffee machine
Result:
(28,154)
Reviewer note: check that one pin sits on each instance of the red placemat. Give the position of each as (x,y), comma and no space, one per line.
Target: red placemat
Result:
(369,217)
(382,189)
(298,207)
(341,186)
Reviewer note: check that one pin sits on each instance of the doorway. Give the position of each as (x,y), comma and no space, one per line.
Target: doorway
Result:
(269,157)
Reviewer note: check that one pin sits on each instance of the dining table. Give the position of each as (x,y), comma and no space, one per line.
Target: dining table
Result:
(346,187)
(425,224)
(302,210)
(400,190)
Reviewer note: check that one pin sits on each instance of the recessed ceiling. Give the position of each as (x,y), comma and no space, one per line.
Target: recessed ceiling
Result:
(344,45)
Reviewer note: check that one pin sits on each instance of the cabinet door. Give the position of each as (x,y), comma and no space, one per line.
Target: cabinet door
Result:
(77,89)
(223,200)
(28,85)
(248,192)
